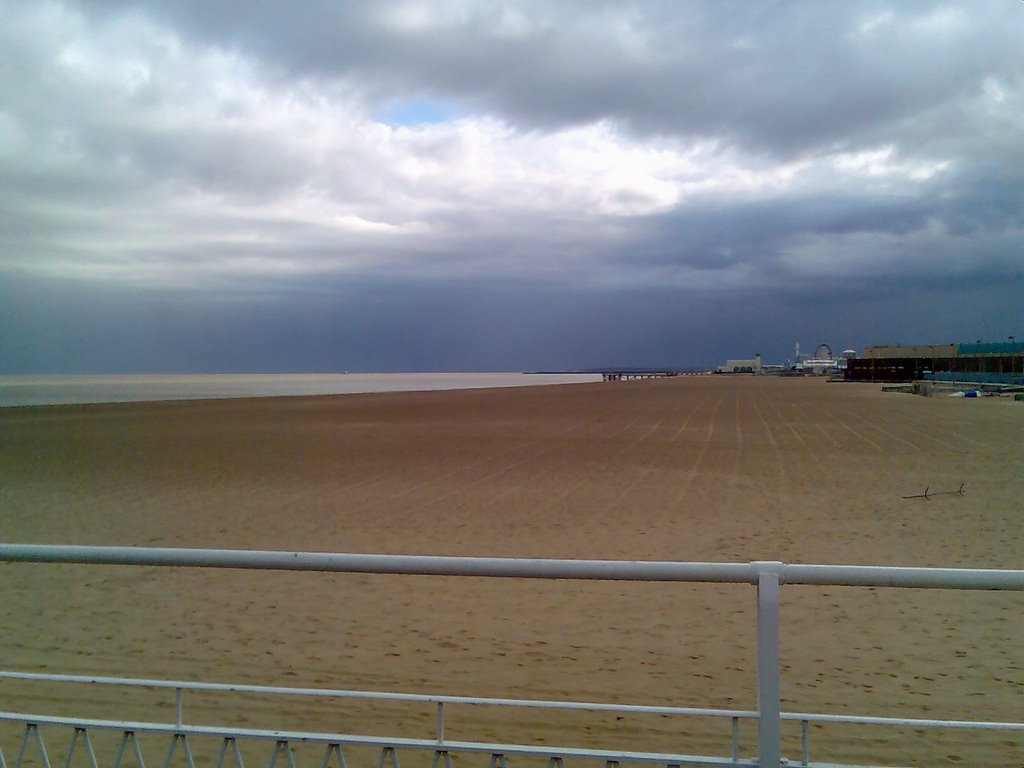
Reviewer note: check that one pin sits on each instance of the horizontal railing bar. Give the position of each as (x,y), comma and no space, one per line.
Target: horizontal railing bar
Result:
(524,568)
(423,565)
(186,685)
(900,576)
(981,725)
(376,695)
(374,741)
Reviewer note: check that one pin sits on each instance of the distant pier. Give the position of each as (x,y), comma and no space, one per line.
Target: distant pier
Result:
(628,375)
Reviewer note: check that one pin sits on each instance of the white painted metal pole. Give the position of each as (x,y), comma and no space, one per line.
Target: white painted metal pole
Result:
(768,688)
(426,565)
(901,576)
(522,568)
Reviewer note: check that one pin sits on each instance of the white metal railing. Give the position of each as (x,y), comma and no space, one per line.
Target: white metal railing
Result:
(766,576)
(439,743)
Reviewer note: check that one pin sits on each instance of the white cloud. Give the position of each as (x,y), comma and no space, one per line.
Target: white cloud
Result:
(884,163)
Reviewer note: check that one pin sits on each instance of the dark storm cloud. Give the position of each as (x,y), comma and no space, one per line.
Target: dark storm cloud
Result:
(216,186)
(404,325)
(759,231)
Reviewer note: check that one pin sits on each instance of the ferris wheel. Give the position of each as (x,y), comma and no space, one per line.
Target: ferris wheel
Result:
(823,352)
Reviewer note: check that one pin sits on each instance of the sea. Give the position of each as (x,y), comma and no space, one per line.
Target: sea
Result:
(70,390)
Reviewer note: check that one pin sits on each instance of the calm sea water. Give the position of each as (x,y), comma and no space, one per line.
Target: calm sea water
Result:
(54,390)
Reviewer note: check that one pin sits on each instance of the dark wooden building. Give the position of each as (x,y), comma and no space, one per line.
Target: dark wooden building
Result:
(985,363)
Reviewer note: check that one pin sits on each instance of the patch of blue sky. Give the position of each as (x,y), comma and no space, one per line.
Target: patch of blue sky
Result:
(413,112)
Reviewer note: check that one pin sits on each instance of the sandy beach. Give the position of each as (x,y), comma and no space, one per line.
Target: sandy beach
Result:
(727,469)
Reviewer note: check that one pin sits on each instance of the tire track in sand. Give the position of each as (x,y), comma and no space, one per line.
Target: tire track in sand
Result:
(892,435)
(666,453)
(546,470)
(687,485)
(568,490)
(776,451)
(464,469)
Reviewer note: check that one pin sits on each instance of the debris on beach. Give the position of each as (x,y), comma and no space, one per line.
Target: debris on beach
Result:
(928,493)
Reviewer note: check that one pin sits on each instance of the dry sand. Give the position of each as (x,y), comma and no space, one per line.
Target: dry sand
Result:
(697,468)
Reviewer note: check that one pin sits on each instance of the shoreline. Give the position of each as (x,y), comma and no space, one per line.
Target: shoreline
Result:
(19,391)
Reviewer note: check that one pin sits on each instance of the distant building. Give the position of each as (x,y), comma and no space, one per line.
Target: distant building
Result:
(742,366)
(817,366)
(820,363)
(919,351)
(1000,362)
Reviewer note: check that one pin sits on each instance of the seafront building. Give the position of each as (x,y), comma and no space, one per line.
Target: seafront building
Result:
(821,363)
(979,362)
(752,365)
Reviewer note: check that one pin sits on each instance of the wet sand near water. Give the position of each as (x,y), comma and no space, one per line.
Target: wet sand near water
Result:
(727,469)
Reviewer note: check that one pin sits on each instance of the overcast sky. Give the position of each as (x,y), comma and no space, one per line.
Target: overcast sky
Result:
(270,186)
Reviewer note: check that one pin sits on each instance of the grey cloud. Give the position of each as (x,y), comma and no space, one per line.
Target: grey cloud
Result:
(782,76)
(757,230)
(169,224)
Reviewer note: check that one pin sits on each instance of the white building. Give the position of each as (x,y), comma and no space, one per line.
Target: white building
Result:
(742,366)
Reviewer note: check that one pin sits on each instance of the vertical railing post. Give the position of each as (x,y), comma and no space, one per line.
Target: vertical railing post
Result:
(177,708)
(768,705)
(735,739)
